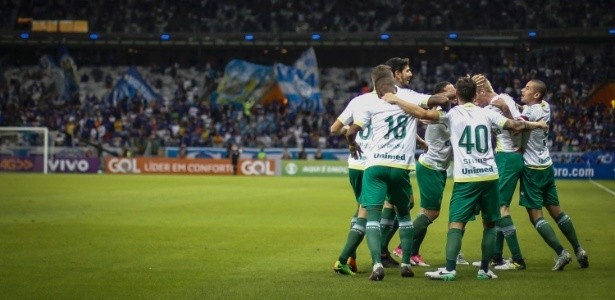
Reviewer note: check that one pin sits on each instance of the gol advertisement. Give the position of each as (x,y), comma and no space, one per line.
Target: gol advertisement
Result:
(148,165)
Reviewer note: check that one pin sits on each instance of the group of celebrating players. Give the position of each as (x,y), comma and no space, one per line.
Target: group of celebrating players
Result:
(381,129)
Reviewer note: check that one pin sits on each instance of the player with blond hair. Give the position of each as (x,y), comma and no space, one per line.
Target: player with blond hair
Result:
(509,159)
(475,176)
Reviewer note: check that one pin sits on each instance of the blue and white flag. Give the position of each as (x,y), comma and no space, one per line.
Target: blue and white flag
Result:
(61,80)
(67,64)
(244,83)
(300,83)
(129,85)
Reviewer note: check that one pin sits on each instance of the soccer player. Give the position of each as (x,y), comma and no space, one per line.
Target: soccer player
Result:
(402,75)
(538,180)
(346,263)
(509,159)
(475,175)
(431,177)
(390,156)
(389,223)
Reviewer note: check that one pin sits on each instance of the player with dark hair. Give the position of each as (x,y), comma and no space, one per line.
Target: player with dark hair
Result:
(431,178)
(538,180)
(346,263)
(475,176)
(402,74)
(389,160)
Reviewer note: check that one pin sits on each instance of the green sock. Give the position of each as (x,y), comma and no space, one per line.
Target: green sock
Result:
(487,247)
(547,234)
(387,239)
(352,222)
(374,236)
(509,231)
(499,243)
(453,246)
(355,236)
(387,223)
(565,225)
(406,236)
(420,231)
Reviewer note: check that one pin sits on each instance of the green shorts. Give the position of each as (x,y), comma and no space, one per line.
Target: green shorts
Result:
(356,179)
(431,186)
(470,196)
(380,182)
(510,167)
(538,188)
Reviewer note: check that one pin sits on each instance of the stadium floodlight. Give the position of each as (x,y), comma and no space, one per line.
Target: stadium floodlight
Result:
(532,33)
(165,36)
(94,36)
(385,36)
(315,37)
(248,37)
(453,35)
(24,36)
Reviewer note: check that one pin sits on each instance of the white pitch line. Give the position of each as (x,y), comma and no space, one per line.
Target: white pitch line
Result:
(603,187)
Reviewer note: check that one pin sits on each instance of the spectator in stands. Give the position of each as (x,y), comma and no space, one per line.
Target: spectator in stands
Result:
(261,155)
(188,116)
(318,155)
(286,154)
(302,155)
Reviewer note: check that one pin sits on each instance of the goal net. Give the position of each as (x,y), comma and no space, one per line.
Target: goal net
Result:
(24,149)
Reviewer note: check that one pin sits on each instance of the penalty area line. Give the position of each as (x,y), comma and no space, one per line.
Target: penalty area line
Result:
(603,187)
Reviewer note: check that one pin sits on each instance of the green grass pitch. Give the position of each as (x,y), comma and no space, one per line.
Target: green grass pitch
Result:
(207,237)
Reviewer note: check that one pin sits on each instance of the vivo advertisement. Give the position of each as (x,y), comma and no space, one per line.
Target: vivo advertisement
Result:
(56,165)
(567,165)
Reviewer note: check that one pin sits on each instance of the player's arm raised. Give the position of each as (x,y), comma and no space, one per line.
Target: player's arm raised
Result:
(386,89)
(524,125)
(411,108)
(442,99)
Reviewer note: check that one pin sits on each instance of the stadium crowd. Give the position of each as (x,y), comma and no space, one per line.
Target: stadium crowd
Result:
(189,114)
(141,16)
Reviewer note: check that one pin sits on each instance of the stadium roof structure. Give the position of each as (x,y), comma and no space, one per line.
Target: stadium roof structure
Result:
(478,38)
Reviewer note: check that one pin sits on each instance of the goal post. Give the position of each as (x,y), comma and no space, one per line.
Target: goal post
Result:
(18,141)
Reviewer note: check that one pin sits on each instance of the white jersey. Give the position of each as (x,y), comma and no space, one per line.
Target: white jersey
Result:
(505,141)
(471,142)
(393,139)
(439,153)
(536,153)
(355,106)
